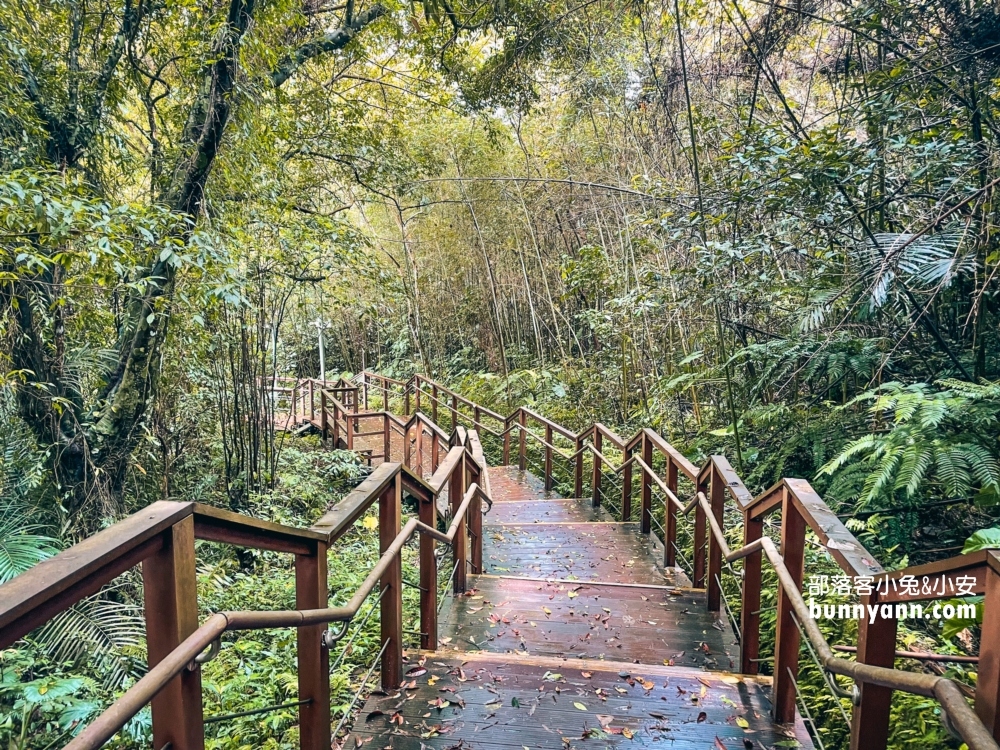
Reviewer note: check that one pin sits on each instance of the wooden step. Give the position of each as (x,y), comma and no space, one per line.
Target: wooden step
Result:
(649,624)
(484,701)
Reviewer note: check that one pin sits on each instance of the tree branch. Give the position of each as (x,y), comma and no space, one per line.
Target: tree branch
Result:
(331,42)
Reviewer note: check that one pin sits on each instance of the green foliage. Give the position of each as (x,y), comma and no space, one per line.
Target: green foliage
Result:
(941,438)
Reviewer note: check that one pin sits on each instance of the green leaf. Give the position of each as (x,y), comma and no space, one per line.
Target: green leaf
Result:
(982,539)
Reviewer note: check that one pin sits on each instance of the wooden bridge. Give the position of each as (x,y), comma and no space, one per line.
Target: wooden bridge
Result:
(621,609)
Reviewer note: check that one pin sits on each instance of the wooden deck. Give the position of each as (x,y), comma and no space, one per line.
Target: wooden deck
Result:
(573,637)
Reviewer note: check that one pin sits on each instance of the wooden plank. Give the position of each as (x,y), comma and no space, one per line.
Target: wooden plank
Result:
(37,595)
(219,525)
(988,682)
(336,522)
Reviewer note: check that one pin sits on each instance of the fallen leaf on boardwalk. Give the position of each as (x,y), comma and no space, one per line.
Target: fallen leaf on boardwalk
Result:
(552,676)
(621,690)
(415,672)
(572,595)
(658,715)
(432,679)
(587,675)
(358,742)
(728,702)
(373,715)
(742,723)
(605,719)
(411,685)
(702,716)
(668,662)
(626,732)
(397,718)
(445,641)
(719,744)
(646,684)
(439,703)
(580,706)
(493,705)
(546,610)
(704,691)
(705,682)
(514,702)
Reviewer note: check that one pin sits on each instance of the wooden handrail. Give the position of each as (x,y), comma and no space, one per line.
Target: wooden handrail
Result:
(161,539)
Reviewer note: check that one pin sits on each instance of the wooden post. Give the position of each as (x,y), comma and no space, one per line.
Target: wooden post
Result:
(324,426)
(435,451)
(312,402)
(364,385)
(419,448)
(456,491)
(313,657)
(877,646)
(389,523)
(700,522)
(627,486)
(428,578)
(578,469)
(171,607)
(434,404)
(506,442)
(988,682)
(475,520)
(753,529)
(416,394)
(717,499)
(406,448)
(336,425)
(522,456)
(406,403)
(786,637)
(646,497)
(595,477)
(386,438)
(476,417)
(669,514)
(454,426)
(350,426)
(548,457)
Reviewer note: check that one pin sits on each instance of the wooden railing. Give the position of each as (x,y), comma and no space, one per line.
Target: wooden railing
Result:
(161,538)
(716,488)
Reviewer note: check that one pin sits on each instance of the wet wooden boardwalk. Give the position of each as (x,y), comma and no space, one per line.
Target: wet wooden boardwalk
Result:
(573,638)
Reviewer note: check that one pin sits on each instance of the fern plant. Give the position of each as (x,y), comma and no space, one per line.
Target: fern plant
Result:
(939,440)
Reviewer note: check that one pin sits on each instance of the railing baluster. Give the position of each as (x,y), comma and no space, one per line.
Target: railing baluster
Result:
(646,491)
(548,457)
(171,606)
(454,425)
(786,638)
(669,511)
(753,529)
(700,540)
(877,646)
(522,459)
(311,592)
(456,492)
(595,477)
(434,404)
(717,499)
(389,524)
(627,486)
(428,577)
(578,469)
(475,519)
(988,682)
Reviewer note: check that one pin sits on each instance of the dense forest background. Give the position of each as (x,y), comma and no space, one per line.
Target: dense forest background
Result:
(769,230)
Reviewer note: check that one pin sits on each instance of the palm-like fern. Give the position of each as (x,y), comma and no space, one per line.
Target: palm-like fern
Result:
(941,440)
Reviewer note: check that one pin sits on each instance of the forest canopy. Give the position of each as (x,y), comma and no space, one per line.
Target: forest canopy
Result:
(768,230)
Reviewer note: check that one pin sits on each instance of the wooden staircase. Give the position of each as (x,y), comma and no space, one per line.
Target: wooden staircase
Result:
(573,635)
